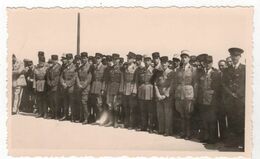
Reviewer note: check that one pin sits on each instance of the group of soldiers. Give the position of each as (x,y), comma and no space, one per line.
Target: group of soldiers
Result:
(184,96)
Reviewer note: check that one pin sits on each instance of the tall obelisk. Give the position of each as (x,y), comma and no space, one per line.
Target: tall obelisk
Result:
(78,35)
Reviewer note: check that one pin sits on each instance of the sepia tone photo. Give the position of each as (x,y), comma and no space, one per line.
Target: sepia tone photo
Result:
(130,81)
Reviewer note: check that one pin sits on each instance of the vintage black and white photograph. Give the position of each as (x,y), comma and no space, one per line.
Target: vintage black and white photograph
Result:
(114,81)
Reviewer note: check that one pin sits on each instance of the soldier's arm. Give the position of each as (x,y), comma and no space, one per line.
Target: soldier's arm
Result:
(135,81)
(195,77)
(62,80)
(72,81)
(87,82)
(121,87)
(20,70)
(56,80)
(49,82)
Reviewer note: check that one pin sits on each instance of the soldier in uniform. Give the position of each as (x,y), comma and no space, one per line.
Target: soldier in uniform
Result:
(78,114)
(61,92)
(193,61)
(175,63)
(97,87)
(222,109)
(128,87)
(208,99)
(112,77)
(68,81)
(18,84)
(185,92)
(83,83)
(30,94)
(229,61)
(162,90)
(145,95)
(53,80)
(234,85)
(40,87)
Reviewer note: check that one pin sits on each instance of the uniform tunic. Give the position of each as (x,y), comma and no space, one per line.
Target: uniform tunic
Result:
(164,107)
(98,83)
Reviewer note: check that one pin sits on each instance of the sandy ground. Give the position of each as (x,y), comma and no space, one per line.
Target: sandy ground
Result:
(30,133)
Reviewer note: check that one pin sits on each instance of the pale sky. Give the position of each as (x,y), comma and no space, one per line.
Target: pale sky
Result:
(143,31)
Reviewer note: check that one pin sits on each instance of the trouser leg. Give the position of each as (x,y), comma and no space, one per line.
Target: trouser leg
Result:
(168,117)
(17,99)
(144,104)
(161,117)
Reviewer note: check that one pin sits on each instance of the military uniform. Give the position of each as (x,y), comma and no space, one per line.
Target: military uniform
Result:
(128,87)
(68,81)
(18,82)
(53,79)
(208,95)
(98,85)
(185,94)
(234,85)
(145,97)
(163,103)
(112,79)
(83,83)
(40,88)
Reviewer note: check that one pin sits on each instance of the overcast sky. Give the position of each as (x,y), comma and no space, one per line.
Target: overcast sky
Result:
(143,31)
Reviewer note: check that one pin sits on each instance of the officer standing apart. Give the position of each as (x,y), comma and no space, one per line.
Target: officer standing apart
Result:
(234,83)
(185,92)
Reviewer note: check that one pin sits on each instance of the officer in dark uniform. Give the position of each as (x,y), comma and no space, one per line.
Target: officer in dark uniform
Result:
(83,83)
(53,80)
(128,87)
(61,91)
(234,85)
(208,99)
(40,87)
(68,80)
(77,63)
(146,95)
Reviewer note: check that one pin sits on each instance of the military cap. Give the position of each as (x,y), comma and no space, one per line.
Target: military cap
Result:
(109,58)
(69,56)
(175,59)
(185,53)
(139,57)
(170,61)
(98,55)
(147,58)
(77,57)
(84,54)
(54,57)
(235,51)
(156,55)
(40,53)
(41,58)
(164,59)
(193,58)
(115,56)
(202,57)
(209,59)
(131,55)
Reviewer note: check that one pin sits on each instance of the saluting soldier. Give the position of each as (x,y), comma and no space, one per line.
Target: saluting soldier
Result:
(146,95)
(128,87)
(83,83)
(18,83)
(53,80)
(97,87)
(40,87)
(68,80)
(234,85)
(208,99)
(185,92)
(162,90)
